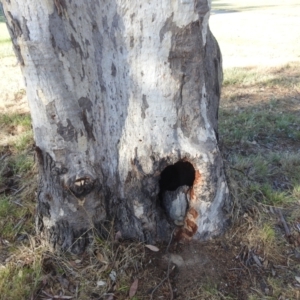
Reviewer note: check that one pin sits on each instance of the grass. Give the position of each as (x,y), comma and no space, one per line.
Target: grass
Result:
(6,49)
(263,77)
(15,132)
(259,129)
(21,276)
(25,278)
(15,119)
(250,125)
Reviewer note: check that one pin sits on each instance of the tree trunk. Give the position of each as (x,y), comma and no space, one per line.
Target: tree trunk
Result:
(124,101)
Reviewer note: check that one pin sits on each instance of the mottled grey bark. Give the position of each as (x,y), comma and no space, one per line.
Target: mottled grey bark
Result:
(118,91)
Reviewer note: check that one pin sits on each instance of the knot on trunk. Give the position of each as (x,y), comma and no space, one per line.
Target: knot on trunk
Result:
(81,186)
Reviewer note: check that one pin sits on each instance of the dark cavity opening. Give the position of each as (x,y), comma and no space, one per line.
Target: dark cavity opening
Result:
(174,176)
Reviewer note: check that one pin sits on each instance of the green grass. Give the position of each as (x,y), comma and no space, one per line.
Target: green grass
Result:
(8,40)
(10,215)
(251,125)
(6,49)
(260,172)
(265,194)
(263,77)
(16,119)
(16,132)
(16,205)
(24,141)
(19,282)
(21,163)
(261,142)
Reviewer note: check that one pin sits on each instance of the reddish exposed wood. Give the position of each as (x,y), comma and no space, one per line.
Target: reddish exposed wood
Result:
(193,212)
(198,179)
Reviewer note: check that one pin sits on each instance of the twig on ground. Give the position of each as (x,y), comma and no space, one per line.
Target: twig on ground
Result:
(4,156)
(19,190)
(242,173)
(171,290)
(17,203)
(286,227)
(168,272)
(167,250)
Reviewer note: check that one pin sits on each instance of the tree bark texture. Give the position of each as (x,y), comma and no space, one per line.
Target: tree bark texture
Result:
(119,90)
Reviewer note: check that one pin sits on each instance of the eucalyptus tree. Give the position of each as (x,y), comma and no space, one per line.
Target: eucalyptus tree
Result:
(124,100)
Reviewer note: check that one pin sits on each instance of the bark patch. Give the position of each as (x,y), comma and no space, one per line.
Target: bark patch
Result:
(201,7)
(85,104)
(113,70)
(58,32)
(15,32)
(76,46)
(168,26)
(25,30)
(68,132)
(186,63)
(145,105)
(87,126)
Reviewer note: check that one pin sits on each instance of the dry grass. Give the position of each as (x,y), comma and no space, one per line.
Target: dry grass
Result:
(108,267)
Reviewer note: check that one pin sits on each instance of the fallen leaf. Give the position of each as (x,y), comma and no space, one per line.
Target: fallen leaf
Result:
(100,257)
(101,283)
(152,248)
(297,278)
(133,288)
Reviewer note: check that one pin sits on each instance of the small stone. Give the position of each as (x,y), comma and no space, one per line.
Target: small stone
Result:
(177,260)
(113,275)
